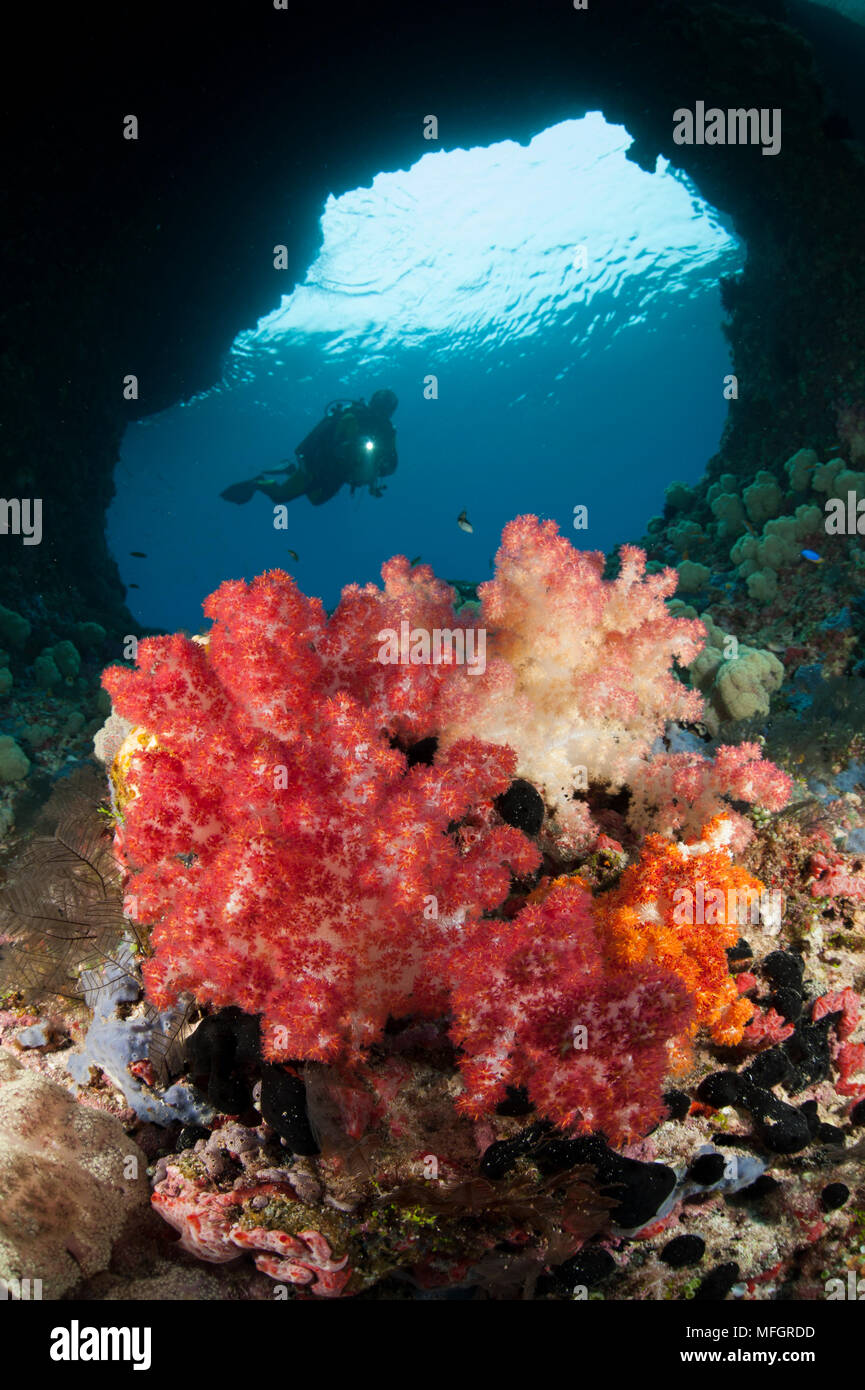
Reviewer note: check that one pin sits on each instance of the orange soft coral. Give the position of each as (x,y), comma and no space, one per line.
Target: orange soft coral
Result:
(679,906)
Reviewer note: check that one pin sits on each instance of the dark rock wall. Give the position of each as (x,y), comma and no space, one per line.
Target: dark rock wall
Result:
(148,257)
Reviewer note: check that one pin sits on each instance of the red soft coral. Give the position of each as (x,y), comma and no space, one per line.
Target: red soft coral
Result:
(401,694)
(536,1004)
(293,863)
(849,1057)
(766,1029)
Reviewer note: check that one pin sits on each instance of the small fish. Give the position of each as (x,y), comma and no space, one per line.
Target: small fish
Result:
(139,554)
(416,561)
(812,556)
(294,556)
(133,586)
(492,566)
(463,522)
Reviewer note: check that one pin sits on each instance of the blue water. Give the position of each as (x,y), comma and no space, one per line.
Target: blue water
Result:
(566,303)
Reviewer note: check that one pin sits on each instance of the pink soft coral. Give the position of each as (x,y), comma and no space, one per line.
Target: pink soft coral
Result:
(833,876)
(682,791)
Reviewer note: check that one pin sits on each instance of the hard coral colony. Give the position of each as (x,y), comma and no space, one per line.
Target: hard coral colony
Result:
(322,838)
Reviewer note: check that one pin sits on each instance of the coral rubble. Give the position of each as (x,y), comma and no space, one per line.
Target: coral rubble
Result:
(70,1179)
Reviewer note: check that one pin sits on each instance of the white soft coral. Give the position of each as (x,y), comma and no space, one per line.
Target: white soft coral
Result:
(579,674)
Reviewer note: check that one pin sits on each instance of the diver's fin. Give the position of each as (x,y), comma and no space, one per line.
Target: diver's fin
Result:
(240,492)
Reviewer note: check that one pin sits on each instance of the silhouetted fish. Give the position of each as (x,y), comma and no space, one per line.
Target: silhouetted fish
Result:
(463,522)
(139,554)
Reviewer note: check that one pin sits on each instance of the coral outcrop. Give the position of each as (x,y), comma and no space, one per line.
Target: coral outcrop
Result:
(214,1227)
(70,1179)
(458,925)
(319,829)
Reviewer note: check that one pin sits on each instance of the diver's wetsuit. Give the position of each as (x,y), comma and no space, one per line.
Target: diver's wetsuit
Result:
(353,444)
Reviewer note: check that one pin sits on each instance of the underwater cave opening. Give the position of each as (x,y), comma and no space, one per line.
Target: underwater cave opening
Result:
(514,297)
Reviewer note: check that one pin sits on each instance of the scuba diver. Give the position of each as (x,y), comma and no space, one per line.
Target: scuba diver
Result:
(355,443)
